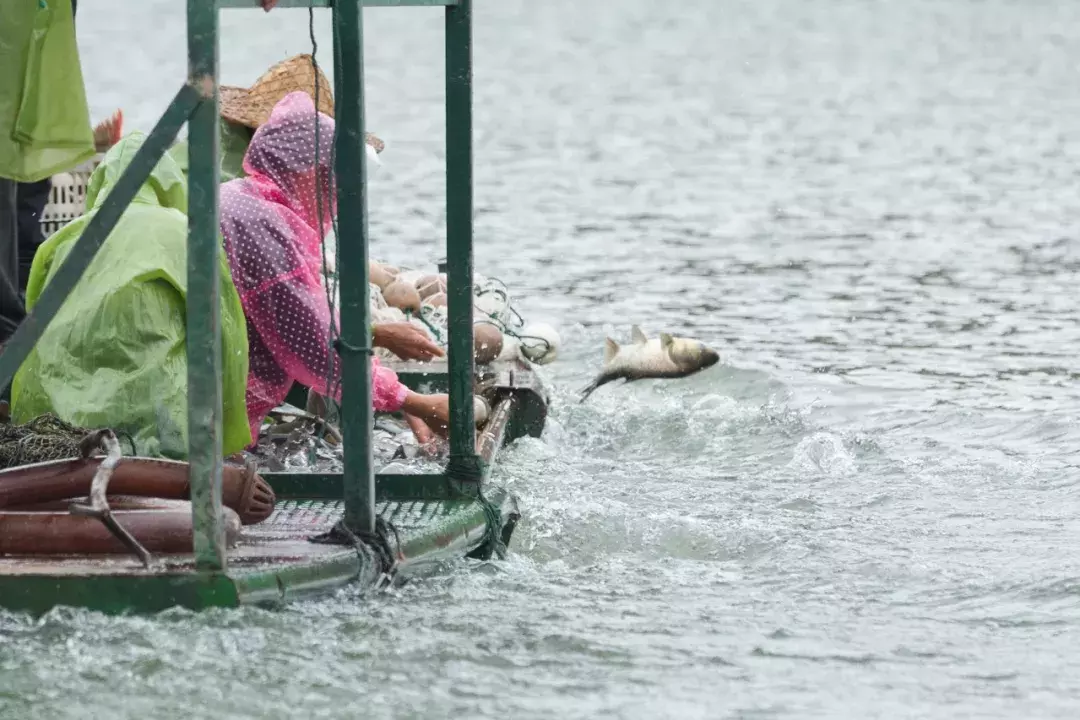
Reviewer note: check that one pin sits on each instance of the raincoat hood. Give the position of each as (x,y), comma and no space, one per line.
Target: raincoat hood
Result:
(165,186)
(271,228)
(281,159)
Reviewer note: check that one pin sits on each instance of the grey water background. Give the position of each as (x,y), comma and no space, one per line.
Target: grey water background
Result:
(868,511)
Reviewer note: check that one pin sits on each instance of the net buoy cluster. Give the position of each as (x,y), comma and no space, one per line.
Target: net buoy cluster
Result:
(399,294)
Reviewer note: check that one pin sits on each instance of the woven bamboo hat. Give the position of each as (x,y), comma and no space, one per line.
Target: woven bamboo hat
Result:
(251,107)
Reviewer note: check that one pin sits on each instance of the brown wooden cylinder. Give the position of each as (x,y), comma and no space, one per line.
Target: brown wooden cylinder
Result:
(251,498)
(163,531)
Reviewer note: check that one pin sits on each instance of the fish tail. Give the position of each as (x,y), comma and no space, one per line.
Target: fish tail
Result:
(588,389)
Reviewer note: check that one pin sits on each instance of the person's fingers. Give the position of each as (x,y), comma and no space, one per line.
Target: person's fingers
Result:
(420,346)
(419,429)
(432,349)
(424,347)
(440,428)
(423,354)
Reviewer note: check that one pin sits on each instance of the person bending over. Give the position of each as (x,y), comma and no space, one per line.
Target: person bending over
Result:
(272,231)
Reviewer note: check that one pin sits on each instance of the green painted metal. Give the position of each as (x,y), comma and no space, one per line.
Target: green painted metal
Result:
(409,3)
(278,585)
(97,230)
(435,532)
(354,345)
(204,307)
(251,4)
(388,486)
(426,535)
(464,463)
(116,594)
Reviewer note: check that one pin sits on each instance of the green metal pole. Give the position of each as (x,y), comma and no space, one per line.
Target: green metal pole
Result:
(355,345)
(459,238)
(203,308)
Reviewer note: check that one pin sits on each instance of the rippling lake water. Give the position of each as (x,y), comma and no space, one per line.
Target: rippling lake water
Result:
(869,510)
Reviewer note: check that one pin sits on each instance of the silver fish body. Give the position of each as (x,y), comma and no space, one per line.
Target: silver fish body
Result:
(665,357)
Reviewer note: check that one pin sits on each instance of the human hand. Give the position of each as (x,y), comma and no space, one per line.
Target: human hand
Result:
(268,5)
(406,341)
(432,412)
(427,441)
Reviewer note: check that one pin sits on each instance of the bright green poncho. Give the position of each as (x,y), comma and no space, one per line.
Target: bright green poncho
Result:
(44,118)
(114,356)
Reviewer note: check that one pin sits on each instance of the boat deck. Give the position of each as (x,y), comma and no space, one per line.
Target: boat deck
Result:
(273,562)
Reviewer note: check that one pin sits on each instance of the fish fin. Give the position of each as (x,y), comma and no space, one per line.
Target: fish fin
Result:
(611,349)
(588,389)
(637,335)
(666,341)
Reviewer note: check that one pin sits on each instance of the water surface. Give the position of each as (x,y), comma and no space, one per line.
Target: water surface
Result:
(868,511)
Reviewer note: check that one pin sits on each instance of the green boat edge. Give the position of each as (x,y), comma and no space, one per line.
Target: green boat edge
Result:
(465,534)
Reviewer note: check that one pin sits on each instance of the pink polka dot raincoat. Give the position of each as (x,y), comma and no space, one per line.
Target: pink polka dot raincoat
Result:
(270,224)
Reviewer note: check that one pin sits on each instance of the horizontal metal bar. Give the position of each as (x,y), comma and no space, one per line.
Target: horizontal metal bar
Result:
(409,3)
(96,232)
(331,486)
(253,4)
(388,486)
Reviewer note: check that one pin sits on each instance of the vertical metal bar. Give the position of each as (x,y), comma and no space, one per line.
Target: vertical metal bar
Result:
(459,236)
(355,345)
(203,309)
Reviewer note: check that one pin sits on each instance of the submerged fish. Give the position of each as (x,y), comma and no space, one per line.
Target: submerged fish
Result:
(664,357)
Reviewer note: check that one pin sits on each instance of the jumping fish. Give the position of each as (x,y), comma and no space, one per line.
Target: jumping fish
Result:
(665,357)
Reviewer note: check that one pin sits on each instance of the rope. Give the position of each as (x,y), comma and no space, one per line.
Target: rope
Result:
(502,325)
(493,520)
(332,386)
(378,543)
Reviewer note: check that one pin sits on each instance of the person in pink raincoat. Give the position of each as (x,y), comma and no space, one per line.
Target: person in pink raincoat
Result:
(271,230)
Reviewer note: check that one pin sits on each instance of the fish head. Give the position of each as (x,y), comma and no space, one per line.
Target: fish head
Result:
(709,357)
(690,354)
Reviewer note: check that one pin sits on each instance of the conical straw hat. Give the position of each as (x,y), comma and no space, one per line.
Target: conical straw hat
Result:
(252,106)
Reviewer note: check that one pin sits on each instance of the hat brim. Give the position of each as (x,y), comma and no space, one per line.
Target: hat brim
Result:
(251,107)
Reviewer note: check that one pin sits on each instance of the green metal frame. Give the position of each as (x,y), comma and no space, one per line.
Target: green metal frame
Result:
(451,529)
(196,103)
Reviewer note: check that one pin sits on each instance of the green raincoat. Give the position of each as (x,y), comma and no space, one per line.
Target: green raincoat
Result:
(44,118)
(114,356)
